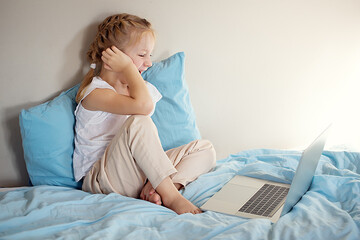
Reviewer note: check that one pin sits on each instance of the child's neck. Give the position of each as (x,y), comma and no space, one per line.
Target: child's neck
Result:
(115,81)
(110,77)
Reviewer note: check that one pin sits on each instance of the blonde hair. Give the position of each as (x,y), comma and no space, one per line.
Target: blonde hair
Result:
(120,30)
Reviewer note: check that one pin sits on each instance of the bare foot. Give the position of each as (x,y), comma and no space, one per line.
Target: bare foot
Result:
(148,193)
(172,198)
(181,205)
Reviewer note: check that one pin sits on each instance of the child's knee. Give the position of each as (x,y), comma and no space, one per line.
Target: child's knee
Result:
(208,148)
(138,122)
(139,119)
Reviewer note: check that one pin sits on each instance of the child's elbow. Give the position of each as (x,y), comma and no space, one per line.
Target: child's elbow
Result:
(147,107)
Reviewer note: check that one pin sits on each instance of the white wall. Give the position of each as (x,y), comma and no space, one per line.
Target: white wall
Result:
(262,74)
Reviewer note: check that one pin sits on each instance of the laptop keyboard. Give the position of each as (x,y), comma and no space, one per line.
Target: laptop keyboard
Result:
(266,201)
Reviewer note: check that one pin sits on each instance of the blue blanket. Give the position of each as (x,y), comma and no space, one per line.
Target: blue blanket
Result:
(329,210)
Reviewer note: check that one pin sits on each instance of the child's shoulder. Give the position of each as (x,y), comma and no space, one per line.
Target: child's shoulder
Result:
(97,82)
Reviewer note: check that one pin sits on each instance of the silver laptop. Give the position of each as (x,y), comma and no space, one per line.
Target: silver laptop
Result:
(256,198)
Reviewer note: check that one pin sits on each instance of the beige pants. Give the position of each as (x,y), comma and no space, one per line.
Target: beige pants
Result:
(135,154)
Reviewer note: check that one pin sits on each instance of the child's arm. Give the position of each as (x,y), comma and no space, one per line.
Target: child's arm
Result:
(139,101)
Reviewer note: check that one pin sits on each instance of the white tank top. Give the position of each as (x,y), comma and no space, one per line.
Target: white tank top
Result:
(95,129)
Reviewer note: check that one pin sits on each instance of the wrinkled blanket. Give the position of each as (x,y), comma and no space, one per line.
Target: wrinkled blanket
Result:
(329,210)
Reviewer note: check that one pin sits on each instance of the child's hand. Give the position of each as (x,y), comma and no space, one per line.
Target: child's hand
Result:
(115,60)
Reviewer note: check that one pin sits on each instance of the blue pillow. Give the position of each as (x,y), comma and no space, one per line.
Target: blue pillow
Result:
(47,132)
(174,115)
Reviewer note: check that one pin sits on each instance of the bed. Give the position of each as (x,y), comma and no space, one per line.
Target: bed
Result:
(329,210)
(54,207)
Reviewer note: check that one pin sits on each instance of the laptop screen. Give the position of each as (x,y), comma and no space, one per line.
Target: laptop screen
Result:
(305,171)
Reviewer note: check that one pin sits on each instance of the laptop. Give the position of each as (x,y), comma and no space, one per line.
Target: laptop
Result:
(257,198)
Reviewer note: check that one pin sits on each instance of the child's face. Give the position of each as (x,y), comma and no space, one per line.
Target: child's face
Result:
(140,52)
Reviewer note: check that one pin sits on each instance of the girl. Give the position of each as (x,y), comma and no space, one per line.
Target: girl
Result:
(117,148)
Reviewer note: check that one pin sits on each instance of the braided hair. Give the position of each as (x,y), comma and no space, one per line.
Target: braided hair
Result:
(121,31)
